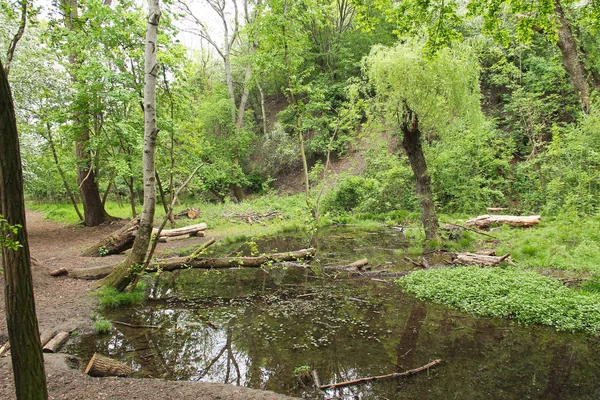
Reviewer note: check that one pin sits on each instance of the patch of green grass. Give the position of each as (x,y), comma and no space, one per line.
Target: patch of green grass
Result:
(102,326)
(110,298)
(564,242)
(524,296)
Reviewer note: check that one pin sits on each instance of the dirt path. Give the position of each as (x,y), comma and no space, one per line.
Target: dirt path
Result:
(65,304)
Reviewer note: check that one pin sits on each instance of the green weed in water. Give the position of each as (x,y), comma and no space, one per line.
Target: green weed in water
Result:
(524,296)
(102,326)
(111,298)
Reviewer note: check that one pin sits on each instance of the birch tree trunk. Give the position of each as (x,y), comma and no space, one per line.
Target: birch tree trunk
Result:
(124,273)
(23,331)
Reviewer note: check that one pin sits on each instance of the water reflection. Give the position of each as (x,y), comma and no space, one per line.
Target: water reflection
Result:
(254,328)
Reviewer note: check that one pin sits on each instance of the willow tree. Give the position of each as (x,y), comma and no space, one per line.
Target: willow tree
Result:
(420,95)
(125,271)
(23,331)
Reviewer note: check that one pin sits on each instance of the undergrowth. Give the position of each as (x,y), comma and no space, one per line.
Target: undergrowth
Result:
(110,298)
(524,296)
(565,242)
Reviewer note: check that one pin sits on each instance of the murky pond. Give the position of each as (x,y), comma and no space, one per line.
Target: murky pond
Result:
(258,328)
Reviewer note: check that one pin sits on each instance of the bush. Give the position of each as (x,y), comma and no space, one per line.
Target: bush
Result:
(351,192)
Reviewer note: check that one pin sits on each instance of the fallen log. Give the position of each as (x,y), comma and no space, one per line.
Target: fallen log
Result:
(485,221)
(46,336)
(357,265)
(380,377)
(175,263)
(59,272)
(102,366)
(115,243)
(478,259)
(56,342)
(123,239)
(186,230)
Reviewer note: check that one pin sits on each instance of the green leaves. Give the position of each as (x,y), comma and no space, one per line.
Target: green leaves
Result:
(440,89)
(8,233)
(524,296)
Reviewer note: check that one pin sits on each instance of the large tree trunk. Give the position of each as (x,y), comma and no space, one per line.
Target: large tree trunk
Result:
(93,209)
(23,331)
(411,143)
(124,273)
(571,61)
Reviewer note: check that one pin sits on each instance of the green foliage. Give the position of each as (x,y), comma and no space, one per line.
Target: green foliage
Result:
(524,296)
(566,242)
(351,192)
(469,169)
(102,326)
(441,89)
(111,298)
(7,234)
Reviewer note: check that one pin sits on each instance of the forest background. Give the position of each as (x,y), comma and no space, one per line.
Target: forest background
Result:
(274,93)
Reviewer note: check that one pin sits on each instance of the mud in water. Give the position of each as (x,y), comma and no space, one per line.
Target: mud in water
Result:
(263,328)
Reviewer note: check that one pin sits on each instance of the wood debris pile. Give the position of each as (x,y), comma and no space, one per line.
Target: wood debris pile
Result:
(253,217)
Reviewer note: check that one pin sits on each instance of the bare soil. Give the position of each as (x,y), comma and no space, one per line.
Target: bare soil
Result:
(65,304)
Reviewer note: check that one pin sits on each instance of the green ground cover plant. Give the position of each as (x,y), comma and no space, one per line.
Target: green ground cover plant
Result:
(508,292)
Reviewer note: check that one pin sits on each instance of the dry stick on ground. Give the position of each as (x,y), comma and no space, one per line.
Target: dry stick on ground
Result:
(380,377)
(472,229)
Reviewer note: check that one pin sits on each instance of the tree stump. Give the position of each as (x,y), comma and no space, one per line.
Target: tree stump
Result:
(102,366)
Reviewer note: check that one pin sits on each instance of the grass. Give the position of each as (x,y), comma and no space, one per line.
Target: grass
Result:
(566,243)
(102,326)
(110,298)
(521,295)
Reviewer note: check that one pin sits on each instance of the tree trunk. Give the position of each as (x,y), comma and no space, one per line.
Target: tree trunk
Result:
(411,143)
(23,331)
(93,209)
(123,274)
(571,61)
(131,196)
(62,174)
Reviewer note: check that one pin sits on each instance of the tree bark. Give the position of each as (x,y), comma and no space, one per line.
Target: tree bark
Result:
(571,61)
(13,43)
(23,331)
(123,274)
(93,210)
(56,342)
(485,221)
(115,243)
(175,263)
(411,143)
(102,366)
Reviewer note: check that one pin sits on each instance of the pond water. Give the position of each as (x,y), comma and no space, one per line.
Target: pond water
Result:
(257,328)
